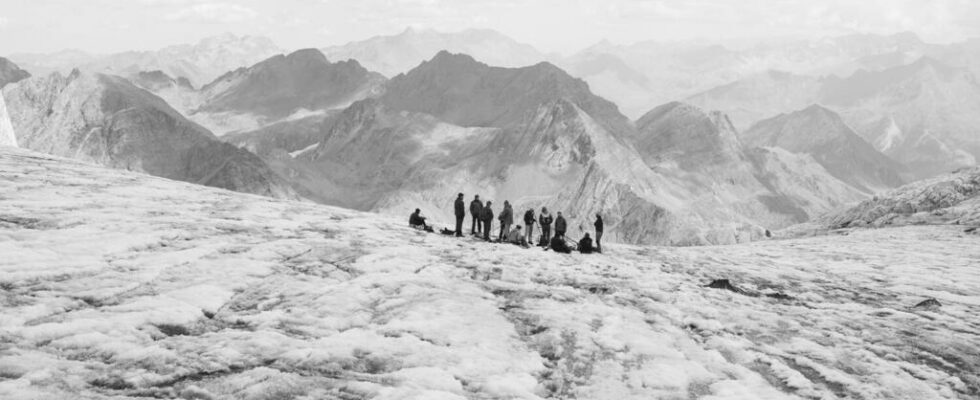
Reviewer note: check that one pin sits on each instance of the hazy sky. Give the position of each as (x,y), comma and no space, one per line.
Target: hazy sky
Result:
(551,25)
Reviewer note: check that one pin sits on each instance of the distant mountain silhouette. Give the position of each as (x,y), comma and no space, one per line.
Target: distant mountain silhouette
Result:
(396,54)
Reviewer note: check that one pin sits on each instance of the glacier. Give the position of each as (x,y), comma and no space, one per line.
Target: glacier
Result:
(120,285)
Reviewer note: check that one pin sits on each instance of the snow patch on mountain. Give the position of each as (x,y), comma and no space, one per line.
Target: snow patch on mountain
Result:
(7,135)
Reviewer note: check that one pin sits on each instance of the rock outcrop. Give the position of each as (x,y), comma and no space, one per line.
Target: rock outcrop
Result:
(951,198)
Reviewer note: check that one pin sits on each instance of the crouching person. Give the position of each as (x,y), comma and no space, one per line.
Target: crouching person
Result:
(417,221)
(517,237)
(585,245)
(558,245)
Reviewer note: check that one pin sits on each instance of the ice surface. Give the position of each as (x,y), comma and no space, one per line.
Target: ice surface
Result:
(119,285)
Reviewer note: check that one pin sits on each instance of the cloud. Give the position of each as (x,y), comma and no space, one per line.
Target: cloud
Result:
(4,22)
(215,13)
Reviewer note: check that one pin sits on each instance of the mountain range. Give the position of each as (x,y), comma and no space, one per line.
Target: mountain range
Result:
(199,63)
(328,128)
(920,114)
(539,137)
(107,120)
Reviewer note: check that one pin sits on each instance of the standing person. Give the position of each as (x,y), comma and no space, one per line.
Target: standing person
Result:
(599,226)
(487,220)
(460,209)
(560,226)
(506,219)
(545,219)
(476,211)
(529,223)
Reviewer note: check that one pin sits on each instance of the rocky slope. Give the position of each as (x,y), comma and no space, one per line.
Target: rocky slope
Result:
(106,120)
(393,55)
(200,63)
(951,198)
(822,134)
(117,285)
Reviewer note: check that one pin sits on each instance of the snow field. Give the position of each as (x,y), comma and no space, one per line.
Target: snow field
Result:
(118,285)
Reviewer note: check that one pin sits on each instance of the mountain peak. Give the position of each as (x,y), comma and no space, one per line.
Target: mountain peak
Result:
(461,90)
(307,55)
(445,57)
(10,72)
(283,84)
(687,132)
(822,133)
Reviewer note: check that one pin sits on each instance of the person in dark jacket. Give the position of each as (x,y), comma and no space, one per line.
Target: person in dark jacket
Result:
(545,220)
(460,209)
(560,226)
(417,221)
(529,221)
(599,226)
(506,219)
(476,211)
(487,220)
(558,245)
(585,245)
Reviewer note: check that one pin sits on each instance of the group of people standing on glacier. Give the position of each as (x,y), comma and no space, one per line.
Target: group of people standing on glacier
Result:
(482,216)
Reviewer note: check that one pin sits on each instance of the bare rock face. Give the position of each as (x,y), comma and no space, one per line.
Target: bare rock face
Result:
(951,198)
(106,120)
(822,134)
